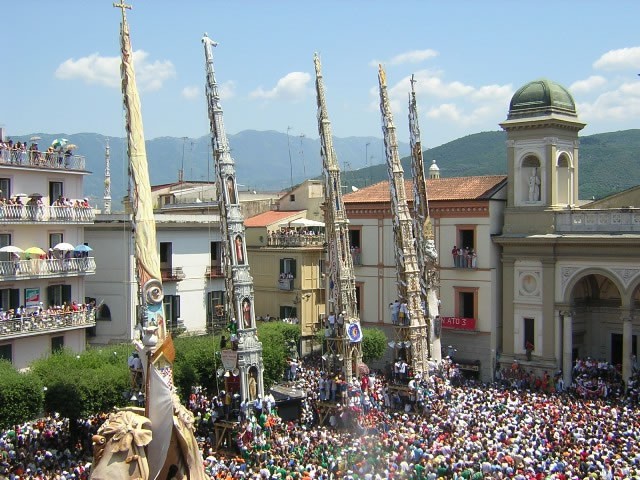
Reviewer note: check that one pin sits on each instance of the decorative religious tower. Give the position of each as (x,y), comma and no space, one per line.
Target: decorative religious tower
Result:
(412,330)
(244,359)
(345,341)
(542,147)
(164,444)
(426,252)
(107,180)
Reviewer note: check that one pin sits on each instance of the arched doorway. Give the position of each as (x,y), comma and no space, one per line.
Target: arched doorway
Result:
(596,302)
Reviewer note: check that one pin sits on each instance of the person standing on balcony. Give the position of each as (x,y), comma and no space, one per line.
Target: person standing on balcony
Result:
(15,257)
(454,253)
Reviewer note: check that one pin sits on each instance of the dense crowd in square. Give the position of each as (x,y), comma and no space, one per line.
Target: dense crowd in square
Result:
(433,426)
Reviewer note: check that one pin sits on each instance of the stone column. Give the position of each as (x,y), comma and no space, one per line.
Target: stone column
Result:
(567,348)
(627,348)
(557,330)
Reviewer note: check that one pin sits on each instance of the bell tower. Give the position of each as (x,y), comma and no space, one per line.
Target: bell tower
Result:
(542,147)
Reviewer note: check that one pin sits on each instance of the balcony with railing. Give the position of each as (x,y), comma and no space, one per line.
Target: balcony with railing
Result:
(214,271)
(45,214)
(172,274)
(463,258)
(45,268)
(46,323)
(610,220)
(285,283)
(294,240)
(37,159)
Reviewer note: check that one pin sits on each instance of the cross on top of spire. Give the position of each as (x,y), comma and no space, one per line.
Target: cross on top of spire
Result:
(123,6)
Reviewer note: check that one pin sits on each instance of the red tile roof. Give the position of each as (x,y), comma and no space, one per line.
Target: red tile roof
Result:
(265,219)
(453,188)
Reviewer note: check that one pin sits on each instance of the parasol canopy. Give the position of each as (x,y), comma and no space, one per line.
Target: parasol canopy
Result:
(65,247)
(363,369)
(83,248)
(59,142)
(35,138)
(305,222)
(35,251)
(71,146)
(11,249)
(35,195)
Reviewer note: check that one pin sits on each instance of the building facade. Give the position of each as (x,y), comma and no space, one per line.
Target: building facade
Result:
(571,271)
(286,252)
(44,258)
(465,213)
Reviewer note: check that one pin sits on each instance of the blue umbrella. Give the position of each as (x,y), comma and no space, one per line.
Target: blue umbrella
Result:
(83,248)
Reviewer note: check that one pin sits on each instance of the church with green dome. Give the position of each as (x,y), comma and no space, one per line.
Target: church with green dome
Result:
(570,271)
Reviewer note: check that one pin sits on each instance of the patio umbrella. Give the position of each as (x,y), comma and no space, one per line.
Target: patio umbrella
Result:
(35,251)
(70,146)
(363,369)
(35,138)
(83,248)
(35,195)
(11,249)
(59,143)
(65,247)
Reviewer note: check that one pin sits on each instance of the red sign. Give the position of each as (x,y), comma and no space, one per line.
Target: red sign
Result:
(458,323)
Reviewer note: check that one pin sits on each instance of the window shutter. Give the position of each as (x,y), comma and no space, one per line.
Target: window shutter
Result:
(282,265)
(175,307)
(292,264)
(66,293)
(14,298)
(50,295)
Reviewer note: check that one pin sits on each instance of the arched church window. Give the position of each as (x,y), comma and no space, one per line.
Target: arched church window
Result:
(564,161)
(530,161)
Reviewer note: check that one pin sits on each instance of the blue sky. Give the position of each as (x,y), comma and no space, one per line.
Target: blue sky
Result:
(61,63)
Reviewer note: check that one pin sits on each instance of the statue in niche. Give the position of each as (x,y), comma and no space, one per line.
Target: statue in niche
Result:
(534,186)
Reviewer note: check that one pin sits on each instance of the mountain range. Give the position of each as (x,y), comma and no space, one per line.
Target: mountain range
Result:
(270,160)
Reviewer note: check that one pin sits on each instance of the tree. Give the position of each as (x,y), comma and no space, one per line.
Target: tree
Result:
(197,359)
(80,385)
(21,396)
(374,344)
(276,338)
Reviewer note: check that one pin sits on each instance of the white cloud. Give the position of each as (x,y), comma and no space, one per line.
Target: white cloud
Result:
(621,104)
(429,82)
(473,106)
(413,56)
(293,86)
(191,92)
(493,93)
(98,70)
(588,84)
(621,59)
(227,90)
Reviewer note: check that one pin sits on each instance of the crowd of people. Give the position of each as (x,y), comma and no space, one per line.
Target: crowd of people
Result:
(26,319)
(19,153)
(370,428)
(294,237)
(464,257)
